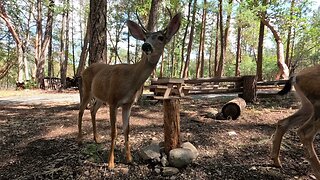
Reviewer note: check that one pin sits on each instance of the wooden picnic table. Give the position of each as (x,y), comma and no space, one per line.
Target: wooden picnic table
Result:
(169,87)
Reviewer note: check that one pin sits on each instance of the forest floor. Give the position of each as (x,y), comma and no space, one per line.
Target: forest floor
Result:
(38,130)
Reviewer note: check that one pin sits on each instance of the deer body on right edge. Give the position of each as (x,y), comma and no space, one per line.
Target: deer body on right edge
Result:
(307,118)
(119,85)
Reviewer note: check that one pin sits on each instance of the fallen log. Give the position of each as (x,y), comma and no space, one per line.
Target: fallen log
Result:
(233,108)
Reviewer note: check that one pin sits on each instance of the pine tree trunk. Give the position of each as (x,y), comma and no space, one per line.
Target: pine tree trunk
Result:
(238,53)
(260,52)
(184,38)
(203,36)
(187,62)
(98,29)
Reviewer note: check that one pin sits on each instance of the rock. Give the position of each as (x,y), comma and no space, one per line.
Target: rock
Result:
(157,170)
(169,171)
(188,145)
(232,133)
(181,157)
(151,152)
(164,161)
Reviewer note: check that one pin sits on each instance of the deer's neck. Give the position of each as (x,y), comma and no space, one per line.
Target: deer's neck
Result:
(144,69)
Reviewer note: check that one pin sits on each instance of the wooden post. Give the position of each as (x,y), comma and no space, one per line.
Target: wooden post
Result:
(171,108)
(249,88)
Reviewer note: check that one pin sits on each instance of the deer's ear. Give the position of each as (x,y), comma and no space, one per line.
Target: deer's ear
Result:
(135,30)
(173,26)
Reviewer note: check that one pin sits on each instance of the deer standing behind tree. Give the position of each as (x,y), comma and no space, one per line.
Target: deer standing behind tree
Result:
(118,85)
(307,118)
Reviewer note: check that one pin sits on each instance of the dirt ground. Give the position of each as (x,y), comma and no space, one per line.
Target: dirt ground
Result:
(38,130)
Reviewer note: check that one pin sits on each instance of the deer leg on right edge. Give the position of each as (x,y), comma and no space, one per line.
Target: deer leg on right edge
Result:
(113,120)
(94,108)
(283,126)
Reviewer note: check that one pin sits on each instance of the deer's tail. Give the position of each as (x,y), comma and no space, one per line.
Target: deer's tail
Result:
(288,86)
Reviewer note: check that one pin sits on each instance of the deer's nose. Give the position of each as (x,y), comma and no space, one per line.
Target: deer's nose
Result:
(147,48)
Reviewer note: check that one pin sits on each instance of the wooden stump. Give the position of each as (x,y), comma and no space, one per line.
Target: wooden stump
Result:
(233,108)
(249,88)
(171,118)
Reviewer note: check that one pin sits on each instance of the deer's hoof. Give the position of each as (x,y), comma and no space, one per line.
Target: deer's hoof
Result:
(277,163)
(111,166)
(79,140)
(129,160)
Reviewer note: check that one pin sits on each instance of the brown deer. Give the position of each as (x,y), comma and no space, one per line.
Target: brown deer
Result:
(307,118)
(118,85)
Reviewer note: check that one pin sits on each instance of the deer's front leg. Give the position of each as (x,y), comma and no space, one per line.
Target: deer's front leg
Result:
(307,134)
(113,120)
(94,108)
(126,110)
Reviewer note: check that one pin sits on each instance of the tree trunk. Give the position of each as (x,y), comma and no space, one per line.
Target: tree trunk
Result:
(187,62)
(19,45)
(84,50)
(66,51)
(283,68)
(98,43)
(216,46)
(260,52)
(238,53)
(39,73)
(224,37)
(288,59)
(63,69)
(200,69)
(152,20)
(184,38)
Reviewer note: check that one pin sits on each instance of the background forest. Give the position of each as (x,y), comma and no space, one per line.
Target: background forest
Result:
(55,38)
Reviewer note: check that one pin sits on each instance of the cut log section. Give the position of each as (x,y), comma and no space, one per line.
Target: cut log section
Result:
(233,108)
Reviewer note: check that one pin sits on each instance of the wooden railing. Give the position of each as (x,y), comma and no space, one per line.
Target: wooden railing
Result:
(245,86)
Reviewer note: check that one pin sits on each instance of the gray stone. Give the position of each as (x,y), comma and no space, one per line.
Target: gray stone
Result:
(164,160)
(169,171)
(188,145)
(151,152)
(180,157)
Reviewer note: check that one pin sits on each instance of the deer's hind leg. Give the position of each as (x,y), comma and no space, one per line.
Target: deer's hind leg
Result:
(295,120)
(307,134)
(83,104)
(93,110)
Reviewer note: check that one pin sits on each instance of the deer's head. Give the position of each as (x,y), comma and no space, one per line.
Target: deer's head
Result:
(154,42)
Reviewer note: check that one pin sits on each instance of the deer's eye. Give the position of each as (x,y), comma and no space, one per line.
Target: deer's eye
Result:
(160,38)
